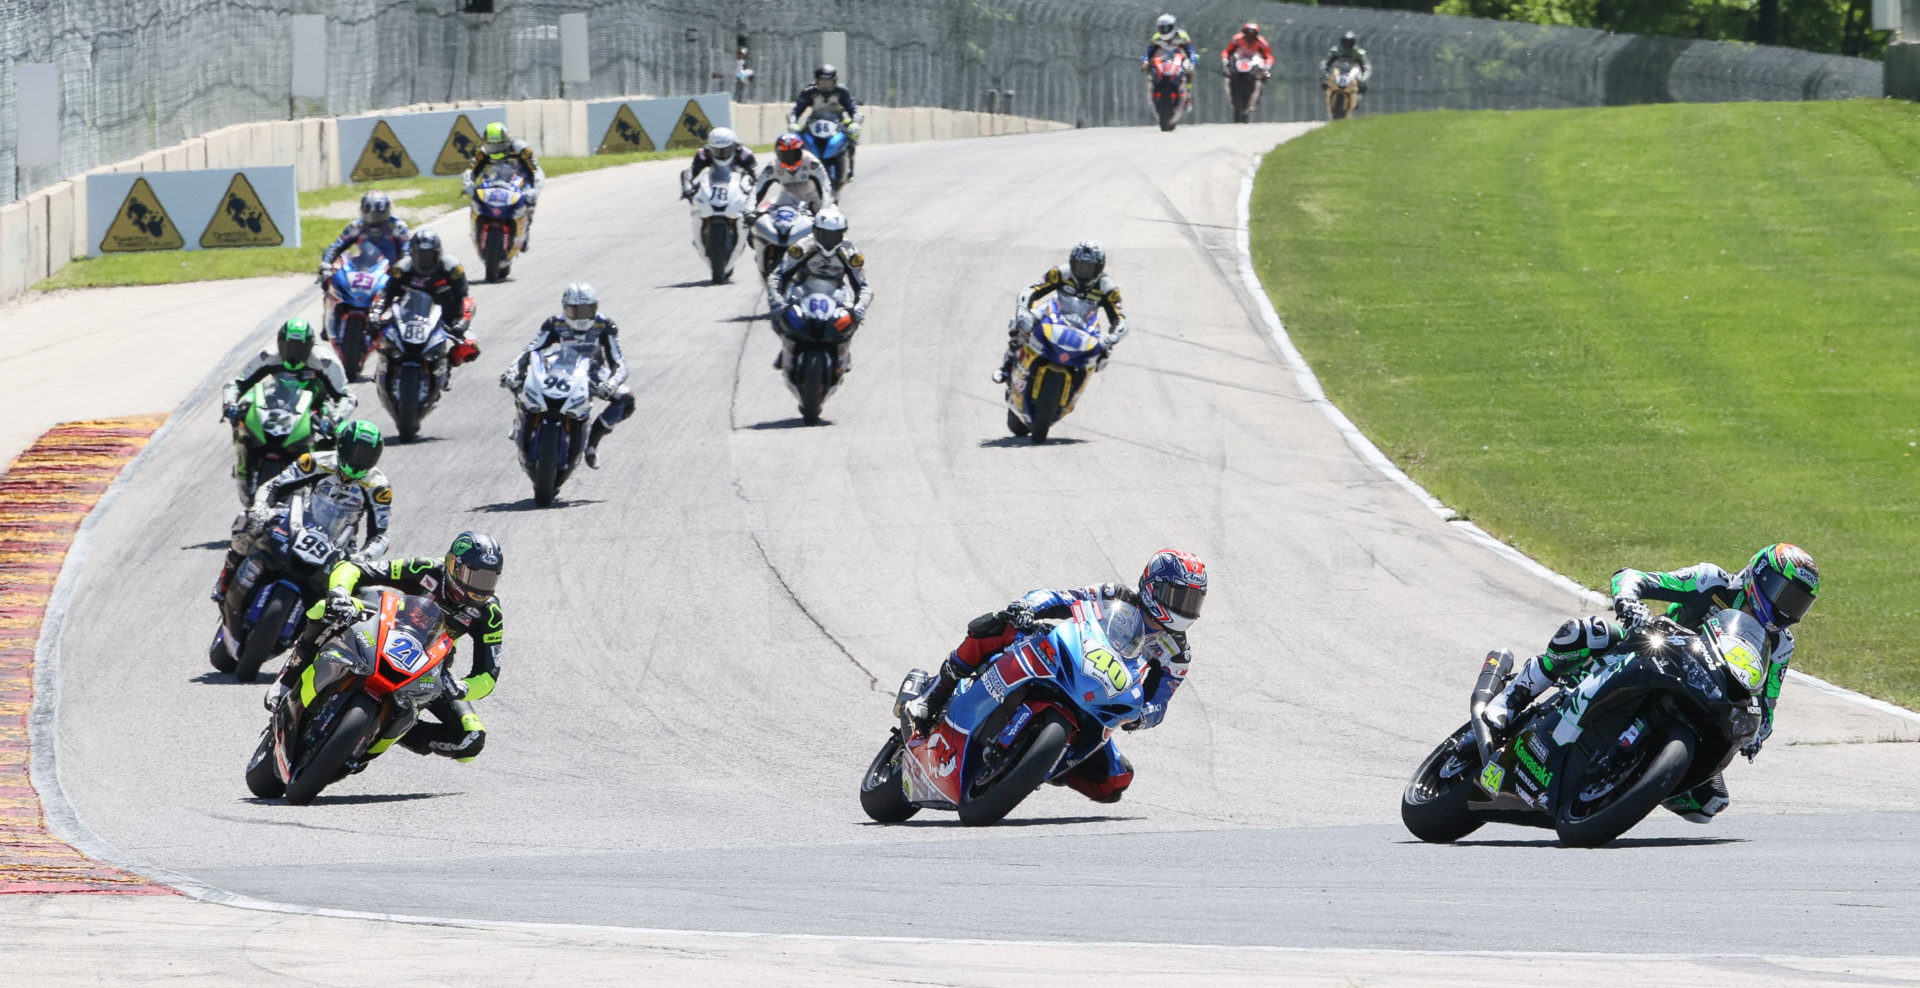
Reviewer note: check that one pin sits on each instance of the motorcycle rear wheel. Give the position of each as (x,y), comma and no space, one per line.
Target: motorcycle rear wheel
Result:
(1050,735)
(264,635)
(1435,809)
(881,794)
(1638,794)
(813,385)
(361,715)
(546,468)
(1046,405)
(263,780)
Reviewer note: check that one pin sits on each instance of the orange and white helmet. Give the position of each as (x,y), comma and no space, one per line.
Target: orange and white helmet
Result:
(788,150)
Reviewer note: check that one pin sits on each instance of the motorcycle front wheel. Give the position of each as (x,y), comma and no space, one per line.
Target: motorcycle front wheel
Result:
(406,403)
(813,385)
(988,801)
(1047,403)
(1595,807)
(882,795)
(350,731)
(546,464)
(720,240)
(1434,806)
(265,634)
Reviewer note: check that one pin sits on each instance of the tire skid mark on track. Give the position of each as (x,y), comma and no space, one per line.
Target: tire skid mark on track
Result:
(873,681)
(44,496)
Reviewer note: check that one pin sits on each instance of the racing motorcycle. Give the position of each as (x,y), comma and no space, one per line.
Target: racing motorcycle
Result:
(277,423)
(776,230)
(415,350)
(1169,72)
(1034,712)
(359,276)
(815,331)
(555,400)
(1667,711)
(827,139)
(364,690)
(1343,88)
(1246,75)
(720,197)
(1053,366)
(498,208)
(284,572)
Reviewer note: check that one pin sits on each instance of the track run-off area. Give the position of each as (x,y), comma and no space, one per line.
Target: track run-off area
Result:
(704,637)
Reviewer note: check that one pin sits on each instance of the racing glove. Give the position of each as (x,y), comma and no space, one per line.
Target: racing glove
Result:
(342,606)
(1019,616)
(1631,613)
(230,411)
(325,270)
(508,381)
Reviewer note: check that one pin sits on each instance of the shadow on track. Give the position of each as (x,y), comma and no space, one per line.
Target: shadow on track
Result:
(364,798)
(1022,442)
(526,504)
(795,423)
(1055,821)
(748,318)
(215,544)
(702,283)
(1623,843)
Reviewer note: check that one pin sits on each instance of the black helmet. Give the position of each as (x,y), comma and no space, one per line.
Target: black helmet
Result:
(375,207)
(425,250)
(473,569)
(1087,261)
(296,343)
(827,72)
(357,446)
(1349,40)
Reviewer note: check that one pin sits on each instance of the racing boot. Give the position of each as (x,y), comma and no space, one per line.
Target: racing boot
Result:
(1013,352)
(1703,802)
(925,711)
(1519,691)
(599,432)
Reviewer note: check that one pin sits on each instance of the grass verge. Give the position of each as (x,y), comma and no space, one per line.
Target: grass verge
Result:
(1639,336)
(437,195)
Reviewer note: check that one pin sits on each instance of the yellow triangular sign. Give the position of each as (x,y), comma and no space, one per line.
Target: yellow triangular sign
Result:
(141,224)
(383,157)
(693,128)
(241,220)
(456,156)
(624,135)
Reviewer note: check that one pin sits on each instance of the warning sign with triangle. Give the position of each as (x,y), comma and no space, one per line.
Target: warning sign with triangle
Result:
(241,220)
(141,224)
(383,157)
(692,130)
(624,135)
(456,156)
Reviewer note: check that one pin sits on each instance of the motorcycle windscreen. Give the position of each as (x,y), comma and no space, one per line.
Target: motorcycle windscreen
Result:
(366,257)
(1741,643)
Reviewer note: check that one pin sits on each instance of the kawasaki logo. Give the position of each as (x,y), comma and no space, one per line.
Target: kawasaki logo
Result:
(1533,767)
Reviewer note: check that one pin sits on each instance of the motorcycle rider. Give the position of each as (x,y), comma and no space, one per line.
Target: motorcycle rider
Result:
(1170,593)
(799,175)
(377,225)
(1776,588)
(580,322)
(497,146)
(723,147)
(827,99)
(823,255)
(1348,48)
(1249,42)
(1167,38)
(292,355)
(1085,278)
(463,584)
(429,269)
(347,476)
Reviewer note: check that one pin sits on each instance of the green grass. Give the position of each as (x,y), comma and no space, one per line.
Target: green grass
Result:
(316,232)
(1640,336)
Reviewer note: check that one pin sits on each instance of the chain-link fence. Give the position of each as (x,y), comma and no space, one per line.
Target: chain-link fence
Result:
(141,75)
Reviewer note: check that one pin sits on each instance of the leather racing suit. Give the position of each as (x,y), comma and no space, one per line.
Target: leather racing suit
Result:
(1258,47)
(807,184)
(1359,57)
(743,160)
(390,237)
(315,474)
(609,367)
(834,103)
(1102,293)
(520,153)
(842,265)
(321,374)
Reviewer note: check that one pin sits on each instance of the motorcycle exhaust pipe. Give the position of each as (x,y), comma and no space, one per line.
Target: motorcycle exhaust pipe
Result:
(1493,675)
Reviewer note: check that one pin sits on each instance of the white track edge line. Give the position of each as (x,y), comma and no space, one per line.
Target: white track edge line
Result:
(1310,384)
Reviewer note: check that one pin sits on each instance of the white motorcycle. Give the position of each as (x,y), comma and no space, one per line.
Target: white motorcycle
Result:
(555,399)
(780,227)
(720,198)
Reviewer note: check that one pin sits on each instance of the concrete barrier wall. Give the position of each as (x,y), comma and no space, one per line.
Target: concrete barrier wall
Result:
(41,233)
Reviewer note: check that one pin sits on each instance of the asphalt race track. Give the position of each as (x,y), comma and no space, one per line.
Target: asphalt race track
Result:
(704,637)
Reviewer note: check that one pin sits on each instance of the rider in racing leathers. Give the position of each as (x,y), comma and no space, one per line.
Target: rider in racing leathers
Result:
(1247,42)
(580,322)
(293,356)
(1085,278)
(1348,48)
(823,255)
(1168,37)
(722,148)
(827,99)
(346,476)
(377,225)
(463,584)
(1776,589)
(799,175)
(427,268)
(1171,590)
(497,146)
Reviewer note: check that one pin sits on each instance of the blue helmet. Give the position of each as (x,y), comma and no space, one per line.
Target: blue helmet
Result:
(1779,584)
(1172,588)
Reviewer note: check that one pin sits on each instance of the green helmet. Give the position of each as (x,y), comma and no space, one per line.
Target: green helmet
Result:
(296,343)
(357,446)
(497,144)
(1779,584)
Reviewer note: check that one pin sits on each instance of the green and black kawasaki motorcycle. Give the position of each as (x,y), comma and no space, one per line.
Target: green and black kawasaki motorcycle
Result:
(277,421)
(1667,710)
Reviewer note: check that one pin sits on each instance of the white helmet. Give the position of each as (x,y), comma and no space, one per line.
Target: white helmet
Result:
(580,304)
(1165,23)
(830,227)
(722,144)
